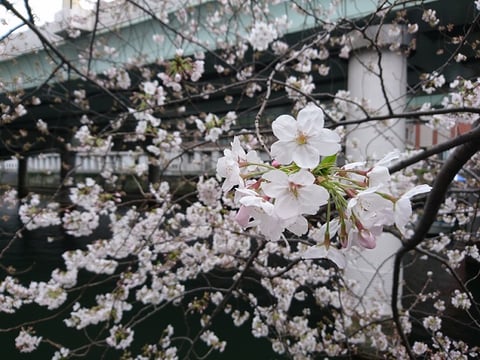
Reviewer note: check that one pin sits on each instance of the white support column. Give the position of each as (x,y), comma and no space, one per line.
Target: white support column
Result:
(376,76)
(71,4)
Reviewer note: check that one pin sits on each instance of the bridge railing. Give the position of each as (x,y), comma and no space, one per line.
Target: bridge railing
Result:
(195,162)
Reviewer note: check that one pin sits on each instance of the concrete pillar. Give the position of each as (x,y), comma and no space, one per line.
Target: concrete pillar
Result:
(71,4)
(376,76)
(379,76)
(22,177)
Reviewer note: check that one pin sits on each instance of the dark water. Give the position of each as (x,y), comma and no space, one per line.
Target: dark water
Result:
(34,257)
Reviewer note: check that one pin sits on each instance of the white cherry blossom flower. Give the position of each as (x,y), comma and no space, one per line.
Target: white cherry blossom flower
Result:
(26,341)
(294,194)
(229,165)
(371,209)
(261,35)
(262,212)
(63,353)
(120,337)
(403,207)
(303,140)
(419,348)
(264,217)
(379,175)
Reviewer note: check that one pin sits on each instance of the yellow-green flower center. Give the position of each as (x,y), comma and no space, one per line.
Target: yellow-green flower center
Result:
(294,188)
(301,138)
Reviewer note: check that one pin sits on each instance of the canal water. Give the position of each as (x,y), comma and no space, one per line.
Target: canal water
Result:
(35,254)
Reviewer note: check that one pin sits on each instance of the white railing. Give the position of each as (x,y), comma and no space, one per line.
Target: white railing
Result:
(193,163)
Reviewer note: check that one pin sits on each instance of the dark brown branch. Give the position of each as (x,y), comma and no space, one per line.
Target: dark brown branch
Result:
(452,166)
(94,34)
(29,11)
(472,135)
(408,115)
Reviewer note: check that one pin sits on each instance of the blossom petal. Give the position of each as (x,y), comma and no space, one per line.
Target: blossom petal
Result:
(310,113)
(320,252)
(282,151)
(311,198)
(333,227)
(243,216)
(298,226)
(315,252)
(338,257)
(302,177)
(286,206)
(419,189)
(277,185)
(284,127)
(276,176)
(387,159)
(403,211)
(328,142)
(306,156)
(379,176)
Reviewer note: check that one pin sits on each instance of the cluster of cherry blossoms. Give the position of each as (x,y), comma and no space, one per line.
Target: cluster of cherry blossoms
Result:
(303,180)
(197,259)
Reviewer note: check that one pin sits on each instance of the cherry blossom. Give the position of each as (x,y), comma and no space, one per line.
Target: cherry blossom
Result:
(403,206)
(294,194)
(370,208)
(261,35)
(264,216)
(26,342)
(240,242)
(304,140)
(35,215)
(229,166)
(120,337)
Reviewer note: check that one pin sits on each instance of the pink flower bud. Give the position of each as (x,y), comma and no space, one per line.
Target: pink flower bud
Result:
(367,239)
(275,164)
(243,215)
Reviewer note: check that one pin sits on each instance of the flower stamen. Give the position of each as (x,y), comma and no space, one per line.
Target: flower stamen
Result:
(301,138)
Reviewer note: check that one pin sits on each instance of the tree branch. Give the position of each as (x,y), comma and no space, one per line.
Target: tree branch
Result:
(447,173)
(470,136)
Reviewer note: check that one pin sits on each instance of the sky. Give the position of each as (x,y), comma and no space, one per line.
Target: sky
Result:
(44,12)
